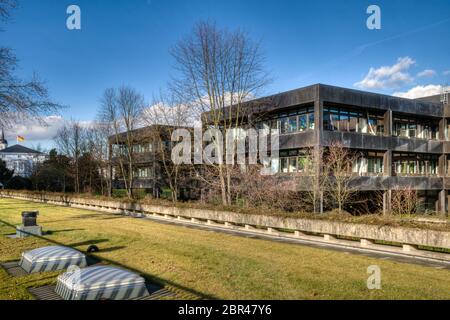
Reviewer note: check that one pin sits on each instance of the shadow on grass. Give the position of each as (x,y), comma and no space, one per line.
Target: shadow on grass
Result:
(111,249)
(50,232)
(84,243)
(155,279)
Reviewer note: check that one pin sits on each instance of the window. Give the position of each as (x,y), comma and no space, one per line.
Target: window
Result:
(298,120)
(415,128)
(410,164)
(293,161)
(284,165)
(143,173)
(292,124)
(344,119)
(303,122)
(311,123)
(369,163)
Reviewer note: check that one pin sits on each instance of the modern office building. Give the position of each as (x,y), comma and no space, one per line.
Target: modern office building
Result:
(402,143)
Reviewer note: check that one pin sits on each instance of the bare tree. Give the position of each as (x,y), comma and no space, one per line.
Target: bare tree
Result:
(6,6)
(97,145)
(166,115)
(217,69)
(20,100)
(314,177)
(120,111)
(338,161)
(70,140)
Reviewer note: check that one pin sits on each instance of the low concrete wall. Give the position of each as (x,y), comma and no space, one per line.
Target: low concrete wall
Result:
(400,235)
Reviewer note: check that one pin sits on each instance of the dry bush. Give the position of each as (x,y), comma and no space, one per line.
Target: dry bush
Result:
(253,190)
(405,201)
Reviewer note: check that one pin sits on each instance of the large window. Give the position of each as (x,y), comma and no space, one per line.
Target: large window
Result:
(415,164)
(142,148)
(143,173)
(293,161)
(368,164)
(298,120)
(347,120)
(415,128)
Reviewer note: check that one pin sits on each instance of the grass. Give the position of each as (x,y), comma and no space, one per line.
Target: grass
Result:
(203,264)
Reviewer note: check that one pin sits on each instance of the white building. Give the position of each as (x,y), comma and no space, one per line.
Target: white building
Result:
(19,158)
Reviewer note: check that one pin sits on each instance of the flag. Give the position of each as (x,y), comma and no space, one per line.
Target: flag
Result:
(20,139)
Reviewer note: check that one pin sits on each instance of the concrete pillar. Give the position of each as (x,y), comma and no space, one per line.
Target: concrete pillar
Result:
(299,233)
(441,203)
(387,163)
(194,220)
(228,224)
(387,204)
(388,123)
(366,242)
(249,227)
(442,165)
(328,237)
(442,129)
(409,248)
(321,202)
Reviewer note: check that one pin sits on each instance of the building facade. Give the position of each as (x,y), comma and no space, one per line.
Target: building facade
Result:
(403,143)
(21,159)
(151,158)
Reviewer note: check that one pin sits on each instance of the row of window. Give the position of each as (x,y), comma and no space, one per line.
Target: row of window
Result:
(338,119)
(413,128)
(290,122)
(415,164)
(143,173)
(345,120)
(137,148)
(369,163)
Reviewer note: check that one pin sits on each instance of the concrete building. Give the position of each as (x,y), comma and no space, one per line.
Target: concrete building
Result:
(403,142)
(151,149)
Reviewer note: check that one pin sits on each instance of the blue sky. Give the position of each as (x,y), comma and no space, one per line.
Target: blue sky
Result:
(127,42)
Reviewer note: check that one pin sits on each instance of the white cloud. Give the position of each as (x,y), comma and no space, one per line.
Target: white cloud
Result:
(426,73)
(32,130)
(420,91)
(388,76)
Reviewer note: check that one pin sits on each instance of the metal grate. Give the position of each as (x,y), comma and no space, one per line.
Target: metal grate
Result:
(44,293)
(48,293)
(156,293)
(13,269)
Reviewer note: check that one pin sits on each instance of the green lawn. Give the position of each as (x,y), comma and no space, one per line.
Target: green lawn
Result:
(205,264)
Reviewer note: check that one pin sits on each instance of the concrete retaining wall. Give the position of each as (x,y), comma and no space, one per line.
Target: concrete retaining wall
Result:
(400,235)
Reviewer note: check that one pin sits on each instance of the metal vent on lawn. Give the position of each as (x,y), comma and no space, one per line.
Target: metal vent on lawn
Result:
(101,283)
(51,259)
